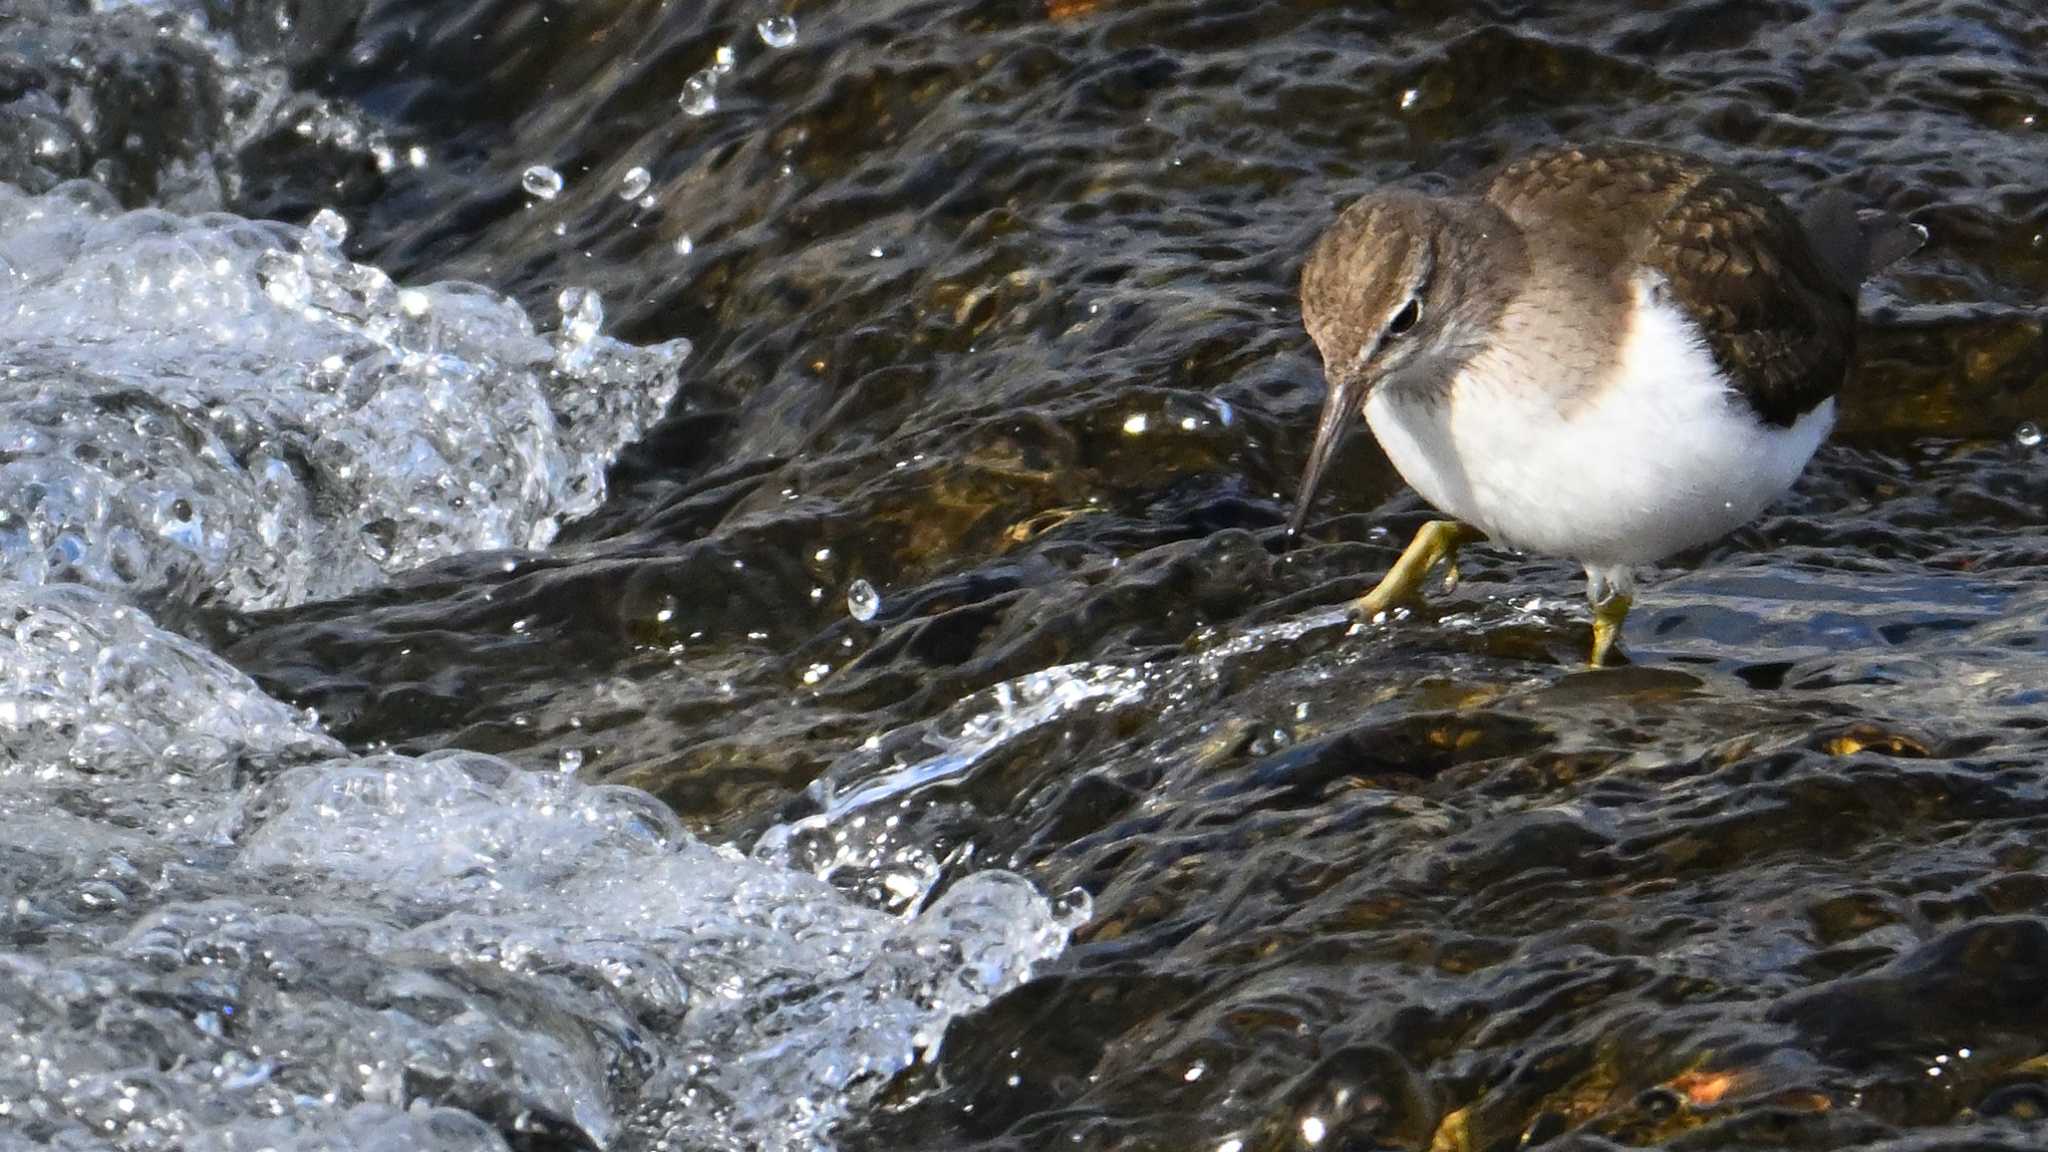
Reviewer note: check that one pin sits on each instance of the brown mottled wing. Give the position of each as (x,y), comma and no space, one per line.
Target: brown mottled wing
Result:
(1740,264)
(1733,257)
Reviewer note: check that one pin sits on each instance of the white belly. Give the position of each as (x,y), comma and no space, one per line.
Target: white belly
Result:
(1661,459)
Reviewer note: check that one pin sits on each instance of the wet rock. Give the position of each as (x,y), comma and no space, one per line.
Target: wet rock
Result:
(1961,988)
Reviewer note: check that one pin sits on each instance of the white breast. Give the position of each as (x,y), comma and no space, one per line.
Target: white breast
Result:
(1658,458)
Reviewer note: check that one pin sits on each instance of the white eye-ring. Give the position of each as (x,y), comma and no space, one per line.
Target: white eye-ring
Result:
(1407,318)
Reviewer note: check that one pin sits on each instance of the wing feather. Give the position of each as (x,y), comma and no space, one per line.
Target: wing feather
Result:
(1730,253)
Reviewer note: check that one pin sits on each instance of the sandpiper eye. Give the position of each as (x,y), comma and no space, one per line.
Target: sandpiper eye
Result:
(1406,318)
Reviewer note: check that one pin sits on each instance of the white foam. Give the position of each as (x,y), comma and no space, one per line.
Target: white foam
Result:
(212,403)
(266,936)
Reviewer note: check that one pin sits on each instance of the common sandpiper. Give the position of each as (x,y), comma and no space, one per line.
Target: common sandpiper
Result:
(1608,354)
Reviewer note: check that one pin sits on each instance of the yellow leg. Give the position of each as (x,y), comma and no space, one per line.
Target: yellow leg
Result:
(1434,543)
(1607,617)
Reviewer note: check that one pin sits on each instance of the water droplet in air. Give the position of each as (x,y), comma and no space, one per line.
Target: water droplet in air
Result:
(862,601)
(722,61)
(542,181)
(635,184)
(572,759)
(2029,435)
(777,31)
(582,315)
(700,94)
(685,245)
(327,228)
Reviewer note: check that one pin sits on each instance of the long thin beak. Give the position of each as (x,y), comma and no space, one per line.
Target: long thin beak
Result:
(1340,412)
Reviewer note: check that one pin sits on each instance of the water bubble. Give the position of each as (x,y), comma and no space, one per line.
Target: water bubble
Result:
(571,760)
(327,228)
(700,94)
(582,315)
(542,181)
(2028,435)
(635,184)
(862,601)
(777,31)
(284,279)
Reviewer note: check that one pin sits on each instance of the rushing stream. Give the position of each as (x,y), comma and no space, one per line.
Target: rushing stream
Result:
(709,576)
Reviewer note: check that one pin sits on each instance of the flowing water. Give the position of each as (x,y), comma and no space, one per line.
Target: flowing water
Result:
(709,576)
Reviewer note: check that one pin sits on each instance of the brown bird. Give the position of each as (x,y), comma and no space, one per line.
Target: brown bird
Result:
(1607,353)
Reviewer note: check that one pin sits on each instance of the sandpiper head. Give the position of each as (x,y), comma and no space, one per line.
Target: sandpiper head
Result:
(1392,298)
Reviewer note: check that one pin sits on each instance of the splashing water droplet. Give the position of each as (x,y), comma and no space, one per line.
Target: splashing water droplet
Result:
(271,337)
(542,181)
(2029,435)
(685,245)
(723,60)
(777,31)
(700,94)
(284,279)
(582,315)
(862,601)
(571,760)
(327,228)
(635,184)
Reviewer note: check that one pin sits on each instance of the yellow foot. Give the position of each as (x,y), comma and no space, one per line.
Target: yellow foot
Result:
(1434,543)
(1610,607)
